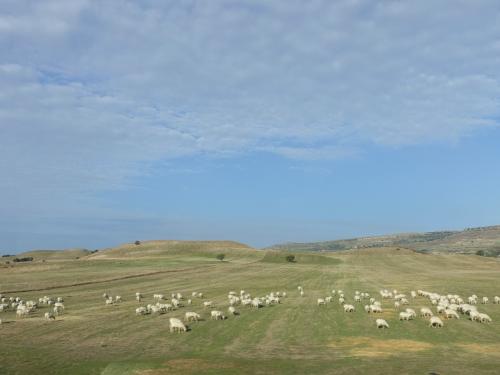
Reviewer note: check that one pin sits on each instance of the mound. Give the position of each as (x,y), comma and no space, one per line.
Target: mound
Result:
(159,248)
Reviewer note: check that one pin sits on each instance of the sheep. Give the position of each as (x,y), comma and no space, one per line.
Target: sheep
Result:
(138,297)
(191,316)
(118,299)
(450,314)
(49,316)
(413,294)
(105,295)
(208,304)
(22,311)
(484,318)
(496,300)
(58,310)
(411,312)
(405,316)
(381,323)
(256,303)
(321,301)
(177,325)
(341,300)
(426,312)
(396,305)
(357,298)
(189,301)
(217,315)
(328,299)
(141,311)
(474,315)
(349,308)
(435,322)
(110,301)
(194,294)
(485,300)
(302,294)
(232,310)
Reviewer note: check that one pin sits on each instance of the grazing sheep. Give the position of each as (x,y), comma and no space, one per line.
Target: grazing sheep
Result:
(58,310)
(208,304)
(141,311)
(189,301)
(381,323)
(349,308)
(118,299)
(484,318)
(217,315)
(450,314)
(485,300)
(328,299)
(426,312)
(435,322)
(341,300)
(405,316)
(413,294)
(232,311)
(191,316)
(396,305)
(176,325)
(110,301)
(49,316)
(496,300)
(357,298)
(321,301)
(411,312)
(302,294)
(138,297)
(105,295)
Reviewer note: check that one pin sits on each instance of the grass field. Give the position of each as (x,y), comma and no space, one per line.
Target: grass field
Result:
(295,337)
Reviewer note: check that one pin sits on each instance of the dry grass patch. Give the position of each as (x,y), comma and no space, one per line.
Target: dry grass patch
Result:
(363,346)
(486,349)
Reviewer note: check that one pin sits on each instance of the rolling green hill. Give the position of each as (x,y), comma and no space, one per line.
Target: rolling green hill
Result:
(468,241)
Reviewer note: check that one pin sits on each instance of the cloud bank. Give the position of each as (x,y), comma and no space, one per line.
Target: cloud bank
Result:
(94,93)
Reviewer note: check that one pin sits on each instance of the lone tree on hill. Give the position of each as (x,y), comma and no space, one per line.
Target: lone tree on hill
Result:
(221,257)
(290,258)
(137,242)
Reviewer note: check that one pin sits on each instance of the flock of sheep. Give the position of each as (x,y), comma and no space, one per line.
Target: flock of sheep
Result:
(25,308)
(448,306)
(162,305)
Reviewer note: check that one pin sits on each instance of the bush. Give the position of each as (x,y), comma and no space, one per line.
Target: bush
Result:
(290,258)
(480,253)
(137,243)
(26,259)
(221,257)
(7,255)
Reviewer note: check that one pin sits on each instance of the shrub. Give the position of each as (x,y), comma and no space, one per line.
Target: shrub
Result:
(480,253)
(290,258)
(137,243)
(221,257)
(25,259)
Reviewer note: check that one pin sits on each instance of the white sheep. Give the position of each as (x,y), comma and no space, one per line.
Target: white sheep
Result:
(177,325)
(496,300)
(450,314)
(403,315)
(484,318)
(485,300)
(191,316)
(396,305)
(328,299)
(341,300)
(141,311)
(426,312)
(217,315)
(381,323)
(208,304)
(232,310)
(411,312)
(321,301)
(349,308)
(435,322)
(49,316)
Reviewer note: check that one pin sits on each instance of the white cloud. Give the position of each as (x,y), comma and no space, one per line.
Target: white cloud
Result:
(93,92)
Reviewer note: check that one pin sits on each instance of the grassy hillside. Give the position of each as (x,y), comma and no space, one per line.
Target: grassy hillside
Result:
(53,254)
(468,241)
(295,337)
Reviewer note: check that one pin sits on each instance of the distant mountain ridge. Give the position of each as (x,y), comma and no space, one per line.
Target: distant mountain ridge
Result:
(467,241)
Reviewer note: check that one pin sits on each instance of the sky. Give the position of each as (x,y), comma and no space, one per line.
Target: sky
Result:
(260,121)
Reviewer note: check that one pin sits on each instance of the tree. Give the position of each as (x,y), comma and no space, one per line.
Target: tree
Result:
(221,257)
(290,258)
(137,243)
(480,253)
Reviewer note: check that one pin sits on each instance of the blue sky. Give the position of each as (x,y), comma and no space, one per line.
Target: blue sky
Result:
(258,121)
